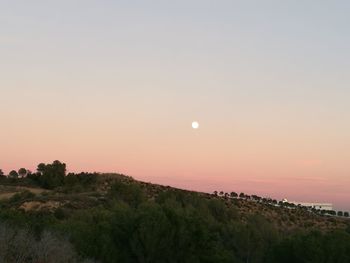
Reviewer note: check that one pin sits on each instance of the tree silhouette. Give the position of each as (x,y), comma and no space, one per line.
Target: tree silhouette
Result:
(332,212)
(41,168)
(1,173)
(22,172)
(13,174)
(233,195)
(52,175)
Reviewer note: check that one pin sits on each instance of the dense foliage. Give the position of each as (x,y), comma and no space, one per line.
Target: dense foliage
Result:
(21,245)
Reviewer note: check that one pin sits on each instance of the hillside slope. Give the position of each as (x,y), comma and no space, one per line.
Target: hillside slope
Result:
(114,218)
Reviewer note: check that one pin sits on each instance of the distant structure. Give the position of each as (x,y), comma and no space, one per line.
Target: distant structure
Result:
(319,206)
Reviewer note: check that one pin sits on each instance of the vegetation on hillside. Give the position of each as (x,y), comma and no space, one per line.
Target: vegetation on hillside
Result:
(114,218)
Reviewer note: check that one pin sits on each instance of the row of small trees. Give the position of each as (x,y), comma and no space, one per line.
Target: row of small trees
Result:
(282,203)
(22,172)
(246,197)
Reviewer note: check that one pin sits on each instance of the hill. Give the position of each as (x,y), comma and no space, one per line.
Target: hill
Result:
(114,218)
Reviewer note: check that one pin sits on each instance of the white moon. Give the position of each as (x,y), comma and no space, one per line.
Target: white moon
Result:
(195,125)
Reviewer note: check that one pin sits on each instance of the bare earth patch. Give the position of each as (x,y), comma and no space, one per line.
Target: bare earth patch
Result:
(37,206)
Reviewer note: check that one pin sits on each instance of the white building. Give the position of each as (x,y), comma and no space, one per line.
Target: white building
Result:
(319,206)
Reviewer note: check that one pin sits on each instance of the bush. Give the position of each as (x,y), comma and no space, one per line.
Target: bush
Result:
(61,213)
(20,245)
(24,195)
(131,193)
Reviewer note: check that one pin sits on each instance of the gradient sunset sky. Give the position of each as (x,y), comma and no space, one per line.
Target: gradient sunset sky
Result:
(113,86)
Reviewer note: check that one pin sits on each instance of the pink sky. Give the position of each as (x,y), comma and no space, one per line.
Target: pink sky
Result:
(193,159)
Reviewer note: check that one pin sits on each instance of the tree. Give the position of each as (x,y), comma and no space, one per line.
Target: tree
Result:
(20,245)
(241,195)
(215,193)
(22,172)
(346,214)
(41,168)
(340,213)
(315,246)
(13,174)
(332,212)
(52,175)
(233,195)
(255,197)
(129,193)
(1,173)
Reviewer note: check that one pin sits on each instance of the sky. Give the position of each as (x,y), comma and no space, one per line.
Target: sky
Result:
(113,86)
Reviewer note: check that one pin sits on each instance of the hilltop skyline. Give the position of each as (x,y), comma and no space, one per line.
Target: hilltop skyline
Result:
(115,87)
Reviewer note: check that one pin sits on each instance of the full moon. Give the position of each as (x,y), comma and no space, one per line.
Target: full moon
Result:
(195,125)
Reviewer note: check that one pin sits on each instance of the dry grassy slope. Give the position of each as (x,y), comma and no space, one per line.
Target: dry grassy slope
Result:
(7,191)
(284,218)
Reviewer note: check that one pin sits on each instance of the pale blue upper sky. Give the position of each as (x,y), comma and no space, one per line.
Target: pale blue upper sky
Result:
(295,51)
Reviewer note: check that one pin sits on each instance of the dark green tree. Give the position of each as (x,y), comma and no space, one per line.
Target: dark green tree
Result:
(233,195)
(129,193)
(22,172)
(52,175)
(332,212)
(41,168)
(13,174)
